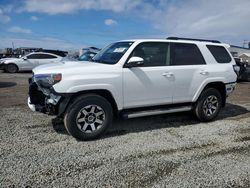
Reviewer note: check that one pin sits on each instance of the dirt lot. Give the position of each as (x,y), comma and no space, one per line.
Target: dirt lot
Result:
(161,151)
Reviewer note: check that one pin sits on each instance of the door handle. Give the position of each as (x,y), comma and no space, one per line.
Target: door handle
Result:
(203,72)
(168,74)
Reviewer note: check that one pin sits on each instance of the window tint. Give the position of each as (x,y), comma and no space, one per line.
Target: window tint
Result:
(41,56)
(34,56)
(112,53)
(220,54)
(153,53)
(186,54)
(46,56)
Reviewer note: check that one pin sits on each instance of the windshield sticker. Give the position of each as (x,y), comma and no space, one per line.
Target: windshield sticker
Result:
(120,50)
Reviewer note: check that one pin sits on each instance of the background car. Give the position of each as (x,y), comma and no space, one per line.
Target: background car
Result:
(244,73)
(87,56)
(30,61)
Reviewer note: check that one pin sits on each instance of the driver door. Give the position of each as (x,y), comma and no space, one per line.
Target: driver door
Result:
(151,83)
(31,62)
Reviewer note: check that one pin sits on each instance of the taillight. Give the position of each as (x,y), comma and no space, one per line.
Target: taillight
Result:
(236,69)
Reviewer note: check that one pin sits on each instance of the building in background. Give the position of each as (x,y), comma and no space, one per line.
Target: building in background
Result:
(245,57)
(237,51)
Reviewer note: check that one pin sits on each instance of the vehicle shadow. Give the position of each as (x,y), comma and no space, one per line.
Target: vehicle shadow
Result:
(20,72)
(122,127)
(7,84)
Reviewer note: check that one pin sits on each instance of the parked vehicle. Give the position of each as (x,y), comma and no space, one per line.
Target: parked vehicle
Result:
(28,62)
(135,78)
(244,73)
(87,56)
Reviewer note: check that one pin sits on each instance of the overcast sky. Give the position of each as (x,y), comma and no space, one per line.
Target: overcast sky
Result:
(72,24)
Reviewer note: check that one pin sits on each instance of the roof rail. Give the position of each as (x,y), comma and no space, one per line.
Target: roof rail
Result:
(201,40)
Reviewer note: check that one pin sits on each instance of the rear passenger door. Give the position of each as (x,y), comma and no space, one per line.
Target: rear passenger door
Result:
(189,69)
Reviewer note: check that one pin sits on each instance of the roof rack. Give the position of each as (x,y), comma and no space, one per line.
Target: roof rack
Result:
(201,40)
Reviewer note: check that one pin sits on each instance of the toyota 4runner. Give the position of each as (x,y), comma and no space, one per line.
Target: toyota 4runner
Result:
(134,78)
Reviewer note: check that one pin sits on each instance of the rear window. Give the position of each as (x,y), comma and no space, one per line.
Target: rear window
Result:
(220,54)
(187,54)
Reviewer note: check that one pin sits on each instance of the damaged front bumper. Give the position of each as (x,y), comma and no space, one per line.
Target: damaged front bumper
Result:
(46,100)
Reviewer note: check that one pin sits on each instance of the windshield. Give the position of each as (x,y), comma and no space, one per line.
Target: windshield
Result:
(112,53)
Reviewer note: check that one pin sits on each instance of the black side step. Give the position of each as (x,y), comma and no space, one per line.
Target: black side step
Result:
(134,114)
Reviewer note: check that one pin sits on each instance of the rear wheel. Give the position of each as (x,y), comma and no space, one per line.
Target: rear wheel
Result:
(88,117)
(208,105)
(11,68)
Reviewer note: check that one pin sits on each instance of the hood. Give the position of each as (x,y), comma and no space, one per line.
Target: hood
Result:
(13,60)
(69,67)
(7,59)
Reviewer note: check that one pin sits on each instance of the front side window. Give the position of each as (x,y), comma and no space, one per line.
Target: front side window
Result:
(220,54)
(186,54)
(34,56)
(47,56)
(112,53)
(153,53)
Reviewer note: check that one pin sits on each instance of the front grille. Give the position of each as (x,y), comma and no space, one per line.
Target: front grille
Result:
(36,97)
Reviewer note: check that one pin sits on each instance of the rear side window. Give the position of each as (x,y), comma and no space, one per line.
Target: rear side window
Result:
(220,54)
(47,56)
(41,56)
(186,54)
(34,56)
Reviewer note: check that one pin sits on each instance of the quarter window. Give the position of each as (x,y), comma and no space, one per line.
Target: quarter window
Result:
(220,53)
(186,54)
(153,53)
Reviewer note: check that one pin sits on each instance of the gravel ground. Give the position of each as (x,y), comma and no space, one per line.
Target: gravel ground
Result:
(171,150)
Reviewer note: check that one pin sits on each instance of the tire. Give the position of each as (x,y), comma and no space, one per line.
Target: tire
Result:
(208,105)
(11,68)
(88,117)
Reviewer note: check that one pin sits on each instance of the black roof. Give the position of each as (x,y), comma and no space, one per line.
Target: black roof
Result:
(56,52)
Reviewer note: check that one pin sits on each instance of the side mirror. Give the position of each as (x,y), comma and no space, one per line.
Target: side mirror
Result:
(25,58)
(135,62)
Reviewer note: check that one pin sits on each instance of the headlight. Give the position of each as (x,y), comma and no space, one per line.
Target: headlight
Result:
(47,80)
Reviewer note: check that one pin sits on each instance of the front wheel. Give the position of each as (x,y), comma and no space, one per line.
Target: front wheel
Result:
(88,117)
(208,105)
(11,68)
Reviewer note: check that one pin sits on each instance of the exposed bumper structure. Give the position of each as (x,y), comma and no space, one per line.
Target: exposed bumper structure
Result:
(46,100)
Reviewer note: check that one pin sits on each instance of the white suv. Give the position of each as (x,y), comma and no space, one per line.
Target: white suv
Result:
(135,78)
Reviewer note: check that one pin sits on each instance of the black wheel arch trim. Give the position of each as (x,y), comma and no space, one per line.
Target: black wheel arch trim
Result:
(221,87)
(68,98)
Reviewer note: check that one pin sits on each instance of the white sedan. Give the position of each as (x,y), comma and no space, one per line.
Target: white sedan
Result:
(30,61)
